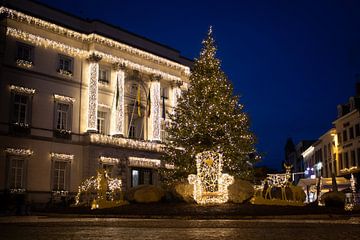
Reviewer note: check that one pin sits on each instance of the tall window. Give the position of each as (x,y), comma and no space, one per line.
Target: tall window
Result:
(353,158)
(101,122)
(16,178)
(60,175)
(62,116)
(132,131)
(346,159)
(20,109)
(345,138)
(163,132)
(25,52)
(351,133)
(341,166)
(357,130)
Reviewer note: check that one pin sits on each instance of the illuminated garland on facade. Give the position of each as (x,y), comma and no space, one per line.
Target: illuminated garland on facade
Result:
(119,109)
(46,43)
(20,17)
(93,96)
(155,110)
(102,105)
(126,143)
(111,160)
(144,162)
(23,63)
(210,184)
(61,98)
(19,151)
(76,52)
(62,156)
(23,90)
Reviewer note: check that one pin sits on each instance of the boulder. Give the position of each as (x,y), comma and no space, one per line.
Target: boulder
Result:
(145,194)
(334,199)
(184,191)
(240,191)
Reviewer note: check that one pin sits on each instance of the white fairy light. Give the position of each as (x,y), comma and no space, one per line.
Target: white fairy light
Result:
(44,42)
(118,117)
(24,63)
(126,143)
(62,98)
(93,96)
(76,52)
(62,156)
(111,160)
(21,17)
(19,151)
(23,90)
(144,162)
(210,184)
(155,110)
(102,105)
(101,184)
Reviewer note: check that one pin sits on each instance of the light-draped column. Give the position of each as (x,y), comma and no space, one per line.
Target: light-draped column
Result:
(118,123)
(93,92)
(176,93)
(155,118)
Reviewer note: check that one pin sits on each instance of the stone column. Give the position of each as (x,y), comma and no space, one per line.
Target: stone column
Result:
(155,123)
(118,110)
(93,92)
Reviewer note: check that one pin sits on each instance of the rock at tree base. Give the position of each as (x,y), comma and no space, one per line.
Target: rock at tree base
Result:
(240,191)
(334,199)
(145,194)
(184,191)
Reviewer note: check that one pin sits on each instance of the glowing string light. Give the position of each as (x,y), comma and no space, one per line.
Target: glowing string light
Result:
(155,110)
(23,90)
(19,151)
(62,98)
(126,143)
(93,37)
(210,184)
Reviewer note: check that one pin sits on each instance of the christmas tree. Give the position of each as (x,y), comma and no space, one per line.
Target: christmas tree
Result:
(208,117)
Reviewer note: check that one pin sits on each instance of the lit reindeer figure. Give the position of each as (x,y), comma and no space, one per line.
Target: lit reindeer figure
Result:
(278,180)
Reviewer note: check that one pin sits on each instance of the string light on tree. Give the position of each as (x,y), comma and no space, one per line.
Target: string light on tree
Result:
(208,116)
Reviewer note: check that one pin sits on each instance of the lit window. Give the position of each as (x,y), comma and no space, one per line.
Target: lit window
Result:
(101,122)
(141,176)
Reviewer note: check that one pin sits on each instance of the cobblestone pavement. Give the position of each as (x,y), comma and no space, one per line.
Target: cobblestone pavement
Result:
(115,228)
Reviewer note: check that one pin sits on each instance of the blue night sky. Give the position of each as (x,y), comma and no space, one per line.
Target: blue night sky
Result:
(291,62)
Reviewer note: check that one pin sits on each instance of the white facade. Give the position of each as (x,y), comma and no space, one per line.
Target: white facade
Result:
(72,101)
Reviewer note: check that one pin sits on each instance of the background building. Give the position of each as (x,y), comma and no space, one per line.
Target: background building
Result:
(77,95)
(338,150)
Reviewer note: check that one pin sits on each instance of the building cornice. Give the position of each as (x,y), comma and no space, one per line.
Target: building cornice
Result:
(346,115)
(90,38)
(77,52)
